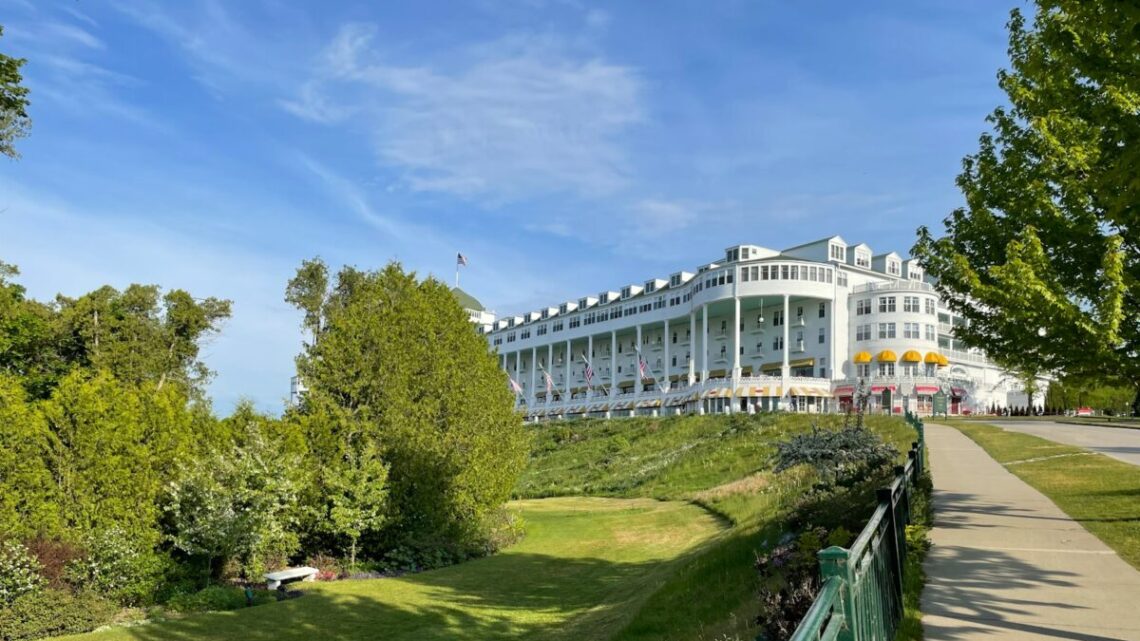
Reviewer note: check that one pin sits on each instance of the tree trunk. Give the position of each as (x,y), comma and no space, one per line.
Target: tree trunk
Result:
(1136,402)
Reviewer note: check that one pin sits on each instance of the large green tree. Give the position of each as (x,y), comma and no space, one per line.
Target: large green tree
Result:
(14,119)
(1044,258)
(394,362)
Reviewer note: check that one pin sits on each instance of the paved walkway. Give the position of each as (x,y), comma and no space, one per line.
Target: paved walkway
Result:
(1118,442)
(1009,564)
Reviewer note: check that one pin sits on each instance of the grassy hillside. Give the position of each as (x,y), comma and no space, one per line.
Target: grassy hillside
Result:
(722,463)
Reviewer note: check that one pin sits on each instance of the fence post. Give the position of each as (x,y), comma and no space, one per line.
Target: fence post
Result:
(885,495)
(833,561)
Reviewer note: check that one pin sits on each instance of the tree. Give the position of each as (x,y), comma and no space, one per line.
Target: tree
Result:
(395,363)
(357,494)
(238,503)
(30,337)
(1044,258)
(14,119)
(28,496)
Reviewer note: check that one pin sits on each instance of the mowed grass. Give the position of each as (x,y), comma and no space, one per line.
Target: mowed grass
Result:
(1100,492)
(584,570)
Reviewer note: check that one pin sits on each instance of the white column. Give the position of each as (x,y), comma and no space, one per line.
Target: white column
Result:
(549,371)
(736,339)
(785,371)
(569,358)
(692,346)
(533,367)
(504,355)
(518,358)
(665,338)
(613,363)
(704,342)
(637,370)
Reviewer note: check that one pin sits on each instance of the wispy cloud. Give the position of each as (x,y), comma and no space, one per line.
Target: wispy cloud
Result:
(523,117)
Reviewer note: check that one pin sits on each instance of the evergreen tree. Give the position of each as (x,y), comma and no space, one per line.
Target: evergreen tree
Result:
(395,362)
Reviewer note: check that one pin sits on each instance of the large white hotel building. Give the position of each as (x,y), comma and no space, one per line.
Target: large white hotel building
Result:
(759,330)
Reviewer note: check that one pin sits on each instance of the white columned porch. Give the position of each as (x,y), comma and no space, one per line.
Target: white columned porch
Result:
(692,348)
(589,362)
(549,369)
(665,385)
(613,362)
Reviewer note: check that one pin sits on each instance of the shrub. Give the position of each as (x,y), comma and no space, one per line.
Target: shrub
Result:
(53,612)
(841,457)
(789,581)
(54,556)
(118,567)
(19,572)
(217,598)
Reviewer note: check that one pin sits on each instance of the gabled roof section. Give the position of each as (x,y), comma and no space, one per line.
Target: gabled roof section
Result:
(467,301)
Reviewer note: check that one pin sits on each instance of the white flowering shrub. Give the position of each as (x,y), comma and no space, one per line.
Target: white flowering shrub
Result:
(117,566)
(19,572)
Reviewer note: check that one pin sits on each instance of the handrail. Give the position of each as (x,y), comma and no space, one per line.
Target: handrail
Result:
(862,592)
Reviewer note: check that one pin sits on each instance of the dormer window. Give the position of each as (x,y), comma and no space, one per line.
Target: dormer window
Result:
(562,308)
(837,252)
(893,267)
(863,259)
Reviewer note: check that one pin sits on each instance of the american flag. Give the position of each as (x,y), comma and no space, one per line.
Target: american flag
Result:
(643,367)
(549,382)
(460,259)
(515,387)
(589,372)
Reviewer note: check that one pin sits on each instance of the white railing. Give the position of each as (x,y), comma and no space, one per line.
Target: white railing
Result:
(896,285)
(969,357)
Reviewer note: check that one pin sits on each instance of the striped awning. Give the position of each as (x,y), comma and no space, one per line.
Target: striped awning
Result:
(845,390)
(926,389)
(753,390)
(912,356)
(887,356)
(861,357)
(875,389)
(807,390)
(717,392)
(653,402)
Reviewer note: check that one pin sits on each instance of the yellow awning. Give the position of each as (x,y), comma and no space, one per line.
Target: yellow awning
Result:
(887,356)
(862,357)
(912,356)
(943,362)
(933,358)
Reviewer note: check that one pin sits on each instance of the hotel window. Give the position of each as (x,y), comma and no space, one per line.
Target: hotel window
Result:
(783,272)
(763,272)
(800,311)
(674,338)
(838,252)
(604,315)
(910,330)
(840,279)
(930,306)
(822,310)
(759,348)
(755,272)
(813,274)
(886,330)
(589,319)
(914,274)
(647,307)
(674,359)
(863,333)
(821,335)
(909,369)
(862,259)
(863,370)
(777,318)
(886,304)
(744,275)
(910,304)
(723,327)
(893,267)
(557,327)
(541,331)
(688,334)
(511,337)
(886,369)
(930,332)
(575,322)
(778,343)
(723,351)
(862,306)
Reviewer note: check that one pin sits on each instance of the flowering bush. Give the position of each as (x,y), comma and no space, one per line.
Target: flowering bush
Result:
(19,572)
(789,580)
(118,567)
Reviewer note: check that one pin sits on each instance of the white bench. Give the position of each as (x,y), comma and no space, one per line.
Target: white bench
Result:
(273,580)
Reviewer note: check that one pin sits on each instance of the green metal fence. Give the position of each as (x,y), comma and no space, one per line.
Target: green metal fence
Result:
(862,594)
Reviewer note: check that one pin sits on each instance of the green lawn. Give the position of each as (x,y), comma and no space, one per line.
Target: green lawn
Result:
(1100,492)
(583,571)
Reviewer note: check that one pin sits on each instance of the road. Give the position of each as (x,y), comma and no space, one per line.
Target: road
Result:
(1117,442)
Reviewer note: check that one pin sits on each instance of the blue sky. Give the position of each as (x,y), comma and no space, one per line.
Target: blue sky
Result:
(563,147)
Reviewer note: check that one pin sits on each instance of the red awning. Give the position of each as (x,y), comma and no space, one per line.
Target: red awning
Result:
(879,388)
(925,389)
(957,391)
(844,390)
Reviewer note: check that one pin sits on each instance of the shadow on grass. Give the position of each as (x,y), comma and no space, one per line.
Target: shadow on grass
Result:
(517,596)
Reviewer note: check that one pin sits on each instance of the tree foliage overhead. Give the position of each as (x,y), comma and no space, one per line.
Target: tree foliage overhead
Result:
(395,363)
(14,119)
(1044,258)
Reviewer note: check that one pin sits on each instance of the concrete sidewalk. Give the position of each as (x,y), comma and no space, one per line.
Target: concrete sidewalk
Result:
(1009,564)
